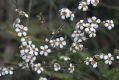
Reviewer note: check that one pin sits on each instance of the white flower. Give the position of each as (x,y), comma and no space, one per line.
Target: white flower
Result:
(37,67)
(93,2)
(108,59)
(66,13)
(21,30)
(92,32)
(52,43)
(42,78)
(60,42)
(109,24)
(94,22)
(34,49)
(57,67)
(83,5)
(71,68)
(80,25)
(45,50)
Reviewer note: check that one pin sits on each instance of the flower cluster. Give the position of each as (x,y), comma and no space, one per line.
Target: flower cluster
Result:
(84,29)
(6,71)
(78,37)
(107,58)
(28,51)
(84,4)
(88,26)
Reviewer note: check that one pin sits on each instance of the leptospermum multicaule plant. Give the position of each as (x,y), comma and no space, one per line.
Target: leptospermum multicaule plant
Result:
(84,29)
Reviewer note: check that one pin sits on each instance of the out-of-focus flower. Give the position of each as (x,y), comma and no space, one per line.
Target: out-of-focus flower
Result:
(101,56)
(57,67)
(42,78)
(71,68)
(22,13)
(23,65)
(65,58)
(6,71)
(117,57)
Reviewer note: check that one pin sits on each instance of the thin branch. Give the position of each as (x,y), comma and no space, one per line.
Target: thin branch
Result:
(29,10)
(60,27)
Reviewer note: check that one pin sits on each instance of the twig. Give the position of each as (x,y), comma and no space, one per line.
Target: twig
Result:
(58,30)
(29,9)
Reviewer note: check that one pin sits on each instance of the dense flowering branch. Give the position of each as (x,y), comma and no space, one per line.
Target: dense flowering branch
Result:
(84,29)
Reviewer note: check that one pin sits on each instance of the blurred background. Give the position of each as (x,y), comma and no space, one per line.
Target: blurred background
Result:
(44,19)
